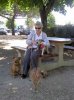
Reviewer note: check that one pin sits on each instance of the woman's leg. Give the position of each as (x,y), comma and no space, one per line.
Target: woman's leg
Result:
(26,65)
(34,58)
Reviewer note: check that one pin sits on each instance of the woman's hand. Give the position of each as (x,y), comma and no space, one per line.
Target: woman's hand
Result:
(34,42)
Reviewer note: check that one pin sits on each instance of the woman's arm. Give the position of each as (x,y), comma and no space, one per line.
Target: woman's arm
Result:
(29,39)
(46,42)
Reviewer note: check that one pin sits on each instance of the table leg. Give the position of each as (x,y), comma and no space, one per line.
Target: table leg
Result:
(19,53)
(59,49)
(60,46)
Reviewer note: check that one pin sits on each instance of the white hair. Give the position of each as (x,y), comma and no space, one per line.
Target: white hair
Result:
(38,24)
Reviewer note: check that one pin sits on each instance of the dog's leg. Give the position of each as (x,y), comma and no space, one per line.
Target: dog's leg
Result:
(35,76)
(47,48)
(19,73)
(42,51)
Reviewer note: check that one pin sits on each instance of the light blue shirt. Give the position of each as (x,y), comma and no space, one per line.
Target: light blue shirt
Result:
(33,36)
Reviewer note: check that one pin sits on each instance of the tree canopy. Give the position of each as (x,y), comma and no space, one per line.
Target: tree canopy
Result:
(44,6)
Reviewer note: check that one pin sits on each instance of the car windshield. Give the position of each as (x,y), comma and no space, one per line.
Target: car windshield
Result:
(1,29)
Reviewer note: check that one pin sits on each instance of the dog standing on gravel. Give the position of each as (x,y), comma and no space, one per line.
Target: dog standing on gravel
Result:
(35,76)
(16,66)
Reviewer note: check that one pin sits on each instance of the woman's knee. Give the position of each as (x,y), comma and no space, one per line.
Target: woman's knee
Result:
(33,54)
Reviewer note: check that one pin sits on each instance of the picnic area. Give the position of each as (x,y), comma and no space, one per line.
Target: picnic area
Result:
(59,85)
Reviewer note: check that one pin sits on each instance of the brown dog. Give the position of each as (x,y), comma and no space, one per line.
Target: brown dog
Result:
(35,76)
(43,47)
(44,73)
(16,67)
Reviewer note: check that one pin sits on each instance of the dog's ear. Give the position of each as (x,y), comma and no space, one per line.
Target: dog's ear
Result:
(14,57)
(19,58)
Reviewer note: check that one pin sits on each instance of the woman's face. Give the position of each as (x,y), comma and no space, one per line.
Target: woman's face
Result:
(38,29)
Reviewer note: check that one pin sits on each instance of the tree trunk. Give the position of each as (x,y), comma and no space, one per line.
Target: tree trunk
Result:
(12,25)
(13,18)
(43,16)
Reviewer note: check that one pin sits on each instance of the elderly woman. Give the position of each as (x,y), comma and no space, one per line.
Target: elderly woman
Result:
(32,53)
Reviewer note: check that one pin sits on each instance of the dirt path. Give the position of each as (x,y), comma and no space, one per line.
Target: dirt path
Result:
(59,85)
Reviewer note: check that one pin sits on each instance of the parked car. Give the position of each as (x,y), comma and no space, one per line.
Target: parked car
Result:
(3,31)
(9,31)
(24,31)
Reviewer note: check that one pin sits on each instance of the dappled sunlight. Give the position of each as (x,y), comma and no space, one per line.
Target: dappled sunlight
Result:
(7,48)
(21,43)
(2,58)
(10,43)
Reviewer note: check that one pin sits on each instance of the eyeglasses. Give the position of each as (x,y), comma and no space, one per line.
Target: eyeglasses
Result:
(37,27)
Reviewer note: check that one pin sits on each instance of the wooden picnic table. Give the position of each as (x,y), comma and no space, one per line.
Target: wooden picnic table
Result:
(59,48)
(59,44)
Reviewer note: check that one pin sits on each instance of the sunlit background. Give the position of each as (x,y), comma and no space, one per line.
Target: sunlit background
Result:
(60,19)
(64,19)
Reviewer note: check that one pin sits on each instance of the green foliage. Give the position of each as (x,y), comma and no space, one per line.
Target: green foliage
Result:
(27,4)
(60,5)
(66,31)
(50,21)
(3,4)
(13,7)
(29,22)
(8,24)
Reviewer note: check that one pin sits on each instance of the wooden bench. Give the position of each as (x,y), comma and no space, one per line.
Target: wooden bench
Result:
(48,57)
(45,56)
(69,51)
(44,61)
(68,47)
(19,50)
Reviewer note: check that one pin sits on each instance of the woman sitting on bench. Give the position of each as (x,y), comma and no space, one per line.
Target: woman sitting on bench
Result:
(32,53)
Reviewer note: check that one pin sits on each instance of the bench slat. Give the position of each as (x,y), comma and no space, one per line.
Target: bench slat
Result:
(43,57)
(48,57)
(69,47)
(19,48)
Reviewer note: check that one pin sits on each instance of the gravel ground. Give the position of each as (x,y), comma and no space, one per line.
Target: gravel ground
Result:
(59,85)
(7,37)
